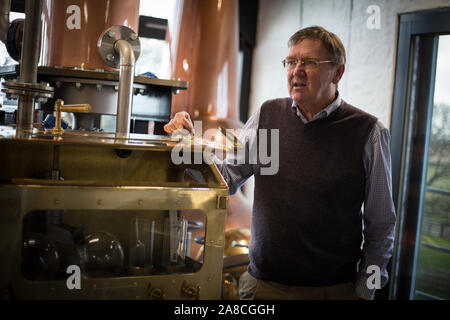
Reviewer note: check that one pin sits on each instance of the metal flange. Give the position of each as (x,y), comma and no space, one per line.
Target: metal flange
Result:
(106,42)
(40,91)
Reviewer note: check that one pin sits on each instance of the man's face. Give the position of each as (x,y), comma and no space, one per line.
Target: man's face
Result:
(312,86)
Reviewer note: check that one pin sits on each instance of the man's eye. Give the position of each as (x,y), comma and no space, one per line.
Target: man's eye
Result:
(309,62)
(291,62)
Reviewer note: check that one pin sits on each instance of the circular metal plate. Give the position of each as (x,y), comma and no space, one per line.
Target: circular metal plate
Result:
(106,42)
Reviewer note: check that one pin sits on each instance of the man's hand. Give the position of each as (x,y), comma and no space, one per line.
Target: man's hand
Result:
(181,121)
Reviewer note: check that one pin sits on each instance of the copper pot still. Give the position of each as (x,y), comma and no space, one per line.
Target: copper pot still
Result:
(71,29)
(204,47)
(204,44)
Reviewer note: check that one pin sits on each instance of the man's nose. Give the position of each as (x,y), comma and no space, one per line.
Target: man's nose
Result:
(299,69)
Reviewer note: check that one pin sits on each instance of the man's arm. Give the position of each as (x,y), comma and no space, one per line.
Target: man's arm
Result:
(236,168)
(379,213)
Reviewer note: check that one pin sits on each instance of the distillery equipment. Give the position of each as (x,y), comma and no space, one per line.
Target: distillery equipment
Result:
(116,211)
(97,208)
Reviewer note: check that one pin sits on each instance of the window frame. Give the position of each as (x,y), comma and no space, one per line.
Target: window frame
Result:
(417,37)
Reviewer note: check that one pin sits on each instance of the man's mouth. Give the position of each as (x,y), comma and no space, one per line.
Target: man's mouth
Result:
(299,84)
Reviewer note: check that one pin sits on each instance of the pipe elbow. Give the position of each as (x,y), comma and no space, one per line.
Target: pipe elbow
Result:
(126,53)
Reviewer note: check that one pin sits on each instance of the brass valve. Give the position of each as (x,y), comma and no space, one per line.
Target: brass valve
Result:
(190,291)
(60,107)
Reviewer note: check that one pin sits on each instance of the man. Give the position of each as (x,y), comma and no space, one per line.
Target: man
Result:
(307,223)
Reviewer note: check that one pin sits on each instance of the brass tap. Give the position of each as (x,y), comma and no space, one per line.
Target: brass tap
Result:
(60,107)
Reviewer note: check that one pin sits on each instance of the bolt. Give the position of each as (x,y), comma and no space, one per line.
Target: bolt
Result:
(99,87)
(111,34)
(78,85)
(110,57)
(133,36)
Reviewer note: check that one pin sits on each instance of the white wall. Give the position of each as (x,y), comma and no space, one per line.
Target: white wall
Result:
(368,81)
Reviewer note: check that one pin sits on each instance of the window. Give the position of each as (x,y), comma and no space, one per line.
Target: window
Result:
(421,157)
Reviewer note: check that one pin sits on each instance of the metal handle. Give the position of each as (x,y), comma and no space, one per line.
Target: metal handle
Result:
(60,107)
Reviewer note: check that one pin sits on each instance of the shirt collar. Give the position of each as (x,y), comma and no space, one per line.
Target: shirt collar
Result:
(323,113)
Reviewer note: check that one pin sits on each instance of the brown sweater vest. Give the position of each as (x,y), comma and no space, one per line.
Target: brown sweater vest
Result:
(307,220)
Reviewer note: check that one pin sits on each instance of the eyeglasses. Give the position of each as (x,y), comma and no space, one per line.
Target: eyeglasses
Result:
(291,63)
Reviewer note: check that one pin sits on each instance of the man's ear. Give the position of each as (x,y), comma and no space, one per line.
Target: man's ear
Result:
(338,73)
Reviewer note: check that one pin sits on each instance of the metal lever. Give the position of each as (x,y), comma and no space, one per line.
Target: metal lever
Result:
(60,107)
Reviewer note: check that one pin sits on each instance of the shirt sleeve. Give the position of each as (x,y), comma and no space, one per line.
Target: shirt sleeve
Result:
(236,168)
(378,215)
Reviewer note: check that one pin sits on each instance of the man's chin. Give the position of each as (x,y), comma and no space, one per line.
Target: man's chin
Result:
(298,98)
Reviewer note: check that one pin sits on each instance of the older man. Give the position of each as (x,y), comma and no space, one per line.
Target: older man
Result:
(311,236)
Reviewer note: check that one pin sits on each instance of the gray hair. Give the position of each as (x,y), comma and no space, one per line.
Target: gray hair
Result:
(331,42)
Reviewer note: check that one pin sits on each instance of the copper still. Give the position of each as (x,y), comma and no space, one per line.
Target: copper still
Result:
(204,49)
(72,28)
